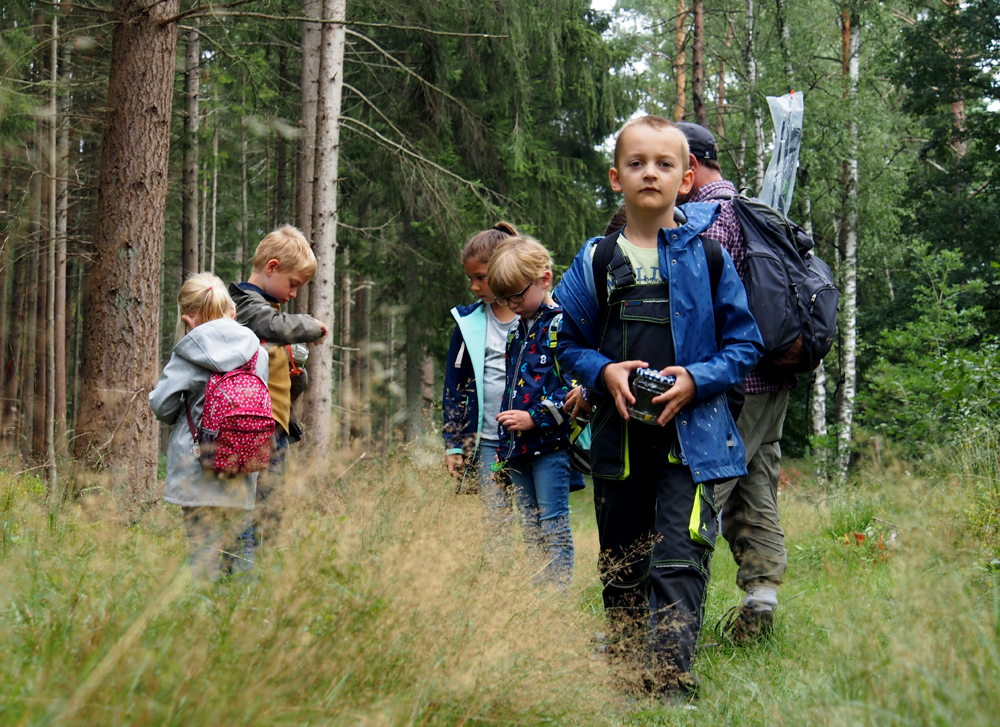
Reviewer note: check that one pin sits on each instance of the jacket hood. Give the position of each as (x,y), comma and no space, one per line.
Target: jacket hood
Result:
(219,345)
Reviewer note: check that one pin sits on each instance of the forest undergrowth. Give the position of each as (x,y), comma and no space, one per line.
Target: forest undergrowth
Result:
(381,604)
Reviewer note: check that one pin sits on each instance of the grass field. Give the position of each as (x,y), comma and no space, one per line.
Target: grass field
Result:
(382,605)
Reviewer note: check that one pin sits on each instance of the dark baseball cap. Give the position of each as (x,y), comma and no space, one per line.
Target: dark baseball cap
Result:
(700,140)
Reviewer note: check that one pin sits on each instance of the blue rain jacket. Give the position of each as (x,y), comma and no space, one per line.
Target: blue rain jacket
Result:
(710,443)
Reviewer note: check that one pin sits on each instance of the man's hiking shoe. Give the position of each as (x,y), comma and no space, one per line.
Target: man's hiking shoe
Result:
(679,691)
(743,625)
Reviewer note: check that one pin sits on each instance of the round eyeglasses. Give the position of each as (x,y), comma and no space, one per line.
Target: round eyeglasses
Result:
(516,298)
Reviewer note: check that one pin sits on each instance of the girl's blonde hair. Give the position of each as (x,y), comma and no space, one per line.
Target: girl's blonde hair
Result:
(483,244)
(517,262)
(204,296)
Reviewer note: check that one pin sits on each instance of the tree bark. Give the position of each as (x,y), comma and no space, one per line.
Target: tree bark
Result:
(365,362)
(849,264)
(28,370)
(215,189)
(241,254)
(720,115)
(6,263)
(62,230)
(39,445)
(189,180)
(323,294)
(116,430)
(785,41)
(758,124)
(414,362)
(698,64)
(203,217)
(680,62)
(50,259)
(346,355)
(280,148)
(11,402)
(309,84)
(817,415)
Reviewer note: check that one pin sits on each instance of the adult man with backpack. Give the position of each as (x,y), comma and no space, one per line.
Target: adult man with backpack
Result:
(749,504)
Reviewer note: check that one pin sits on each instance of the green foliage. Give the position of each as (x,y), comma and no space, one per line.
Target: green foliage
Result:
(933,380)
(946,60)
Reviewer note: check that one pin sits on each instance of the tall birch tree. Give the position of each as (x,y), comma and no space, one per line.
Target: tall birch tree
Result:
(849,261)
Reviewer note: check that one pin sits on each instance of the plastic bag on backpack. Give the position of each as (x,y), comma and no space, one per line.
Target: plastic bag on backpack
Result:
(779,182)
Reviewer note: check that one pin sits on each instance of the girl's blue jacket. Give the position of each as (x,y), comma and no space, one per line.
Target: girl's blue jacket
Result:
(463,380)
(709,440)
(534,385)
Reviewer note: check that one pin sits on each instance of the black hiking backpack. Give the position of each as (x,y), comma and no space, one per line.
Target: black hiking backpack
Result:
(790,290)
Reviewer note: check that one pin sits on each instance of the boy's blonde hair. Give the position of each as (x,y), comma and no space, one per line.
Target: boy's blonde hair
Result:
(204,296)
(517,262)
(661,124)
(289,247)
(483,244)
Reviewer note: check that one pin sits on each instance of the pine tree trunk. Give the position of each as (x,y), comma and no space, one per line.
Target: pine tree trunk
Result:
(280,147)
(680,62)
(116,431)
(62,230)
(77,341)
(50,258)
(39,445)
(203,218)
(365,362)
(720,117)
(758,124)
(324,230)
(784,39)
(6,263)
(414,362)
(241,254)
(309,84)
(849,266)
(346,355)
(28,382)
(189,180)
(698,64)
(215,190)
(391,362)
(12,387)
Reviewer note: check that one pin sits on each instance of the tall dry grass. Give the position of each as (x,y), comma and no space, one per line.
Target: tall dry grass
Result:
(380,604)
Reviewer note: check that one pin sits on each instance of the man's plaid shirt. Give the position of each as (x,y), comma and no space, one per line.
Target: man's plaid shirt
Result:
(726,229)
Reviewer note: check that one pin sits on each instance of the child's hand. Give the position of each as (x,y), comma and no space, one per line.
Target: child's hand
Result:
(322,327)
(677,396)
(515,420)
(454,462)
(616,382)
(576,405)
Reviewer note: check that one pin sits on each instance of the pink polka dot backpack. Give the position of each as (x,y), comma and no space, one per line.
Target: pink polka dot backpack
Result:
(234,436)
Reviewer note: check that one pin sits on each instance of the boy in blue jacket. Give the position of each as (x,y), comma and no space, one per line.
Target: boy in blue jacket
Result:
(653,482)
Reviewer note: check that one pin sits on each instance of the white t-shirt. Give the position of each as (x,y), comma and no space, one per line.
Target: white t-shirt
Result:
(494,379)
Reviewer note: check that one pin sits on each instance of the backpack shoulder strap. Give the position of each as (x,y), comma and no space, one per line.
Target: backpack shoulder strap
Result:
(713,255)
(604,251)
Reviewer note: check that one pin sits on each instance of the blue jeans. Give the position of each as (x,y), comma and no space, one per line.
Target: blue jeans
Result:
(495,496)
(541,490)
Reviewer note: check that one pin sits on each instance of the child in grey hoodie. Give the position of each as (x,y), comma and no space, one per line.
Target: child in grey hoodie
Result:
(216,510)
